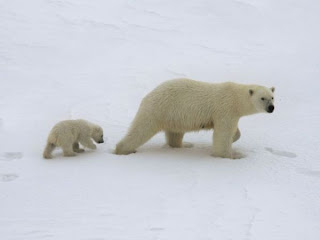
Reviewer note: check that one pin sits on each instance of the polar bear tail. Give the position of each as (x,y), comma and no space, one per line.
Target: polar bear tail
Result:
(48,150)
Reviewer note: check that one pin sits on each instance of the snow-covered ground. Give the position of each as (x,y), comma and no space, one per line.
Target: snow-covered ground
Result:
(68,59)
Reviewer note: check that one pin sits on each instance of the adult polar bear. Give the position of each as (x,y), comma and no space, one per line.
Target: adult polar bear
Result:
(182,105)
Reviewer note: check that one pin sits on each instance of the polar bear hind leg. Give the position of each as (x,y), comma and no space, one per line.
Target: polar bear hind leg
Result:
(175,140)
(141,130)
(47,153)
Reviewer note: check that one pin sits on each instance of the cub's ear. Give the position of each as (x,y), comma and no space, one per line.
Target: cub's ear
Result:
(272,89)
(97,128)
(250,92)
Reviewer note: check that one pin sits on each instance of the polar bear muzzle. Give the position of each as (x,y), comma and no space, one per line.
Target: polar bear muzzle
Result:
(101,139)
(270,108)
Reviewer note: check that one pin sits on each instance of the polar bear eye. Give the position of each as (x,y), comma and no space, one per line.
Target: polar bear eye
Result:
(272,98)
(262,99)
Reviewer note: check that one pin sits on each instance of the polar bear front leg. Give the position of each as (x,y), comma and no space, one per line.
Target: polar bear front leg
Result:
(237,135)
(222,140)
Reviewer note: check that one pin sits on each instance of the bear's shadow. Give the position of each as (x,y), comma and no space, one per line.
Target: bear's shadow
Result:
(199,150)
(58,155)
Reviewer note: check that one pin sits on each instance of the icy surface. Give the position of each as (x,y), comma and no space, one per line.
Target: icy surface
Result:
(69,59)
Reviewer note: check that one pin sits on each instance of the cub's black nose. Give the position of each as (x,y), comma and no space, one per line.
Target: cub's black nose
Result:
(101,141)
(270,108)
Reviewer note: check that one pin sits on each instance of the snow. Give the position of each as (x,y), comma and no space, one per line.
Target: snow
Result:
(69,59)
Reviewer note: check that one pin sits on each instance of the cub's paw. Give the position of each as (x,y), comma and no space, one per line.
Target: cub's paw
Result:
(46,156)
(80,150)
(93,147)
(69,154)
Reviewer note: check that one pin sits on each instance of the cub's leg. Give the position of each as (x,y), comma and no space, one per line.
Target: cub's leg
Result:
(65,142)
(68,150)
(87,142)
(76,148)
(175,140)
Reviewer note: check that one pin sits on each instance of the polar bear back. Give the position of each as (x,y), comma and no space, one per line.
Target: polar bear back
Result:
(188,105)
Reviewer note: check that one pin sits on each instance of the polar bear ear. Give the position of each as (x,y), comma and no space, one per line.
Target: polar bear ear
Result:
(272,89)
(250,92)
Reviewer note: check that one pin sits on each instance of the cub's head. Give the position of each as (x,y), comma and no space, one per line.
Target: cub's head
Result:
(262,98)
(97,134)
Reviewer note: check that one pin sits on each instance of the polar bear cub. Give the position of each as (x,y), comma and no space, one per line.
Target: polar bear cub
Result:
(69,133)
(183,105)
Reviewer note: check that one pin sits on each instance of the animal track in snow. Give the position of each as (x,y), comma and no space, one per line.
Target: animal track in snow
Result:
(251,223)
(156,229)
(307,172)
(281,153)
(9,156)
(8,177)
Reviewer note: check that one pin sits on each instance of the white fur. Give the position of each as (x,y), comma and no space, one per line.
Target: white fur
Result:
(69,133)
(182,105)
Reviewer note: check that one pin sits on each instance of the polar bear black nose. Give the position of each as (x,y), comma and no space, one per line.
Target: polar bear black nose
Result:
(270,108)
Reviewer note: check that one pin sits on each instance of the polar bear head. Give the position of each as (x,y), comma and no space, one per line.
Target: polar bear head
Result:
(262,98)
(97,134)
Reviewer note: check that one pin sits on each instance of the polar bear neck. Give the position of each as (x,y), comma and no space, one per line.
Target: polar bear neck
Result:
(244,106)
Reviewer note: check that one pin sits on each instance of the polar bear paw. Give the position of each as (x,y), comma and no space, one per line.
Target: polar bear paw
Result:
(124,152)
(237,155)
(234,155)
(187,145)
